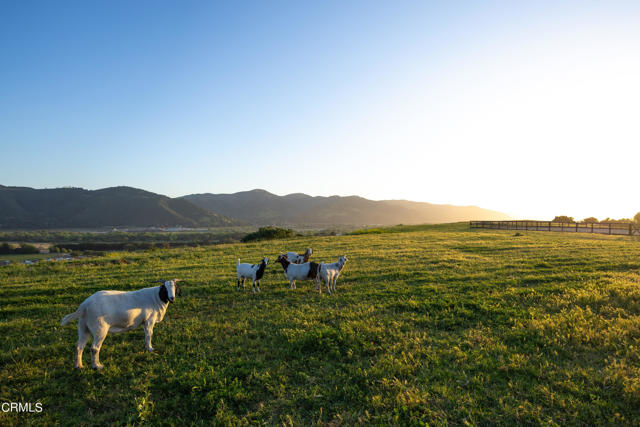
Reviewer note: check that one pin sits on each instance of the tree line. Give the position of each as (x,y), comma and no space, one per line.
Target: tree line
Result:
(591,219)
(21,249)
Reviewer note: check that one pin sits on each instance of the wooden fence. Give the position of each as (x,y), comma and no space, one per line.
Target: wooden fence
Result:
(571,227)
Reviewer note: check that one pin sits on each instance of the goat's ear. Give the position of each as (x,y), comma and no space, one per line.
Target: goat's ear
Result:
(178,293)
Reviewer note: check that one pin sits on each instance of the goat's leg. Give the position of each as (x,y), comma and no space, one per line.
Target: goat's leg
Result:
(83,337)
(328,283)
(258,284)
(148,333)
(253,286)
(238,287)
(98,338)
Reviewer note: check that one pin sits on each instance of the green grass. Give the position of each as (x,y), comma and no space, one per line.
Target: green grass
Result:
(440,326)
(401,228)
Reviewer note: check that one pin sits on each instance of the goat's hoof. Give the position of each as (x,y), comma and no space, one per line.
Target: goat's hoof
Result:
(78,367)
(98,367)
(151,350)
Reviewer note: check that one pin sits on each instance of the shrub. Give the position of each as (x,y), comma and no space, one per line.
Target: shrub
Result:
(268,233)
(5,249)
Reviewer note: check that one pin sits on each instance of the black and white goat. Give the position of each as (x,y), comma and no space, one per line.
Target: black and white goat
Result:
(329,273)
(117,311)
(293,272)
(251,271)
(299,259)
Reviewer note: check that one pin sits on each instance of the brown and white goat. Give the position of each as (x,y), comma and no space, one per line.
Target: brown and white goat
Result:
(299,259)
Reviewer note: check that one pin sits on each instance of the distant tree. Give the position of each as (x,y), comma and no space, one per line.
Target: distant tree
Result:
(619,221)
(590,220)
(26,248)
(6,249)
(563,218)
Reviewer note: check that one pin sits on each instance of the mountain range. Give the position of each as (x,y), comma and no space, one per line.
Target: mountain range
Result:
(259,207)
(23,207)
(29,208)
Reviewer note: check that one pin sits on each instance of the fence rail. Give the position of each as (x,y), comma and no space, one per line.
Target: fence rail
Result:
(571,227)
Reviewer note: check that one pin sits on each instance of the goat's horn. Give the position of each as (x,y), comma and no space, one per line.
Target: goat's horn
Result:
(177,280)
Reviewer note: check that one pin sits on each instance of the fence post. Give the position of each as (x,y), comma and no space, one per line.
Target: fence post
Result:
(609,228)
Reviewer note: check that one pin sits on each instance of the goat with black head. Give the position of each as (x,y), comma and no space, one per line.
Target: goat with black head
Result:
(117,311)
(293,272)
(254,272)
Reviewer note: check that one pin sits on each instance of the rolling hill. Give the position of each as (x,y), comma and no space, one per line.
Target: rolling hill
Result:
(29,208)
(259,207)
(23,207)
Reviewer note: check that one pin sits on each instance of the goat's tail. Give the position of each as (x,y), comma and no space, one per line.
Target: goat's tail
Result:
(69,317)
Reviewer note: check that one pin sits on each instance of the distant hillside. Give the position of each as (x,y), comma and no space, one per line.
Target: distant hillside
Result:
(260,207)
(22,207)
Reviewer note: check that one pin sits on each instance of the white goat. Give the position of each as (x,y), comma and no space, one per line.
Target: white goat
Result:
(251,271)
(329,273)
(299,259)
(293,272)
(117,311)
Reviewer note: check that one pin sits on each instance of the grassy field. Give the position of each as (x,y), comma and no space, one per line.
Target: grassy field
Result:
(439,325)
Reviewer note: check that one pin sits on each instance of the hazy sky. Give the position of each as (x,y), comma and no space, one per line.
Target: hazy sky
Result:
(530,108)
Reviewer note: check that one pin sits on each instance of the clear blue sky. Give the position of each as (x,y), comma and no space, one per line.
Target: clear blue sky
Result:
(480,103)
